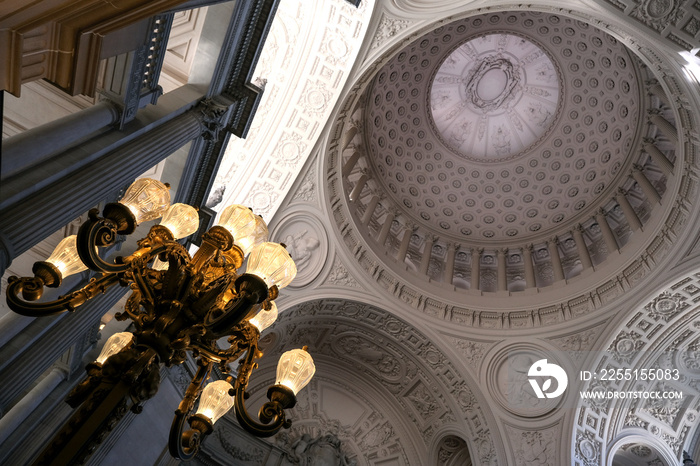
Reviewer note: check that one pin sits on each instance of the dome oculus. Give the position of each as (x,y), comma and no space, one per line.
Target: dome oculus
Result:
(494,97)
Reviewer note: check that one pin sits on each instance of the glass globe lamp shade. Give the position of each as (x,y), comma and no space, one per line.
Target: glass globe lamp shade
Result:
(114,344)
(159,265)
(65,257)
(295,369)
(239,221)
(215,400)
(147,199)
(181,219)
(260,235)
(264,319)
(272,263)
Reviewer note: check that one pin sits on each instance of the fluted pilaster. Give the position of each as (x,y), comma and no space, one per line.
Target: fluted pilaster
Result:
(557,268)
(427,253)
(664,126)
(583,254)
(630,214)
(405,241)
(350,162)
(476,268)
(359,186)
(386,226)
(369,211)
(606,231)
(450,262)
(502,269)
(658,157)
(649,190)
(529,267)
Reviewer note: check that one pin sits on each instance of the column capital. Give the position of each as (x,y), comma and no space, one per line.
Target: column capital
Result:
(637,168)
(579,228)
(621,191)
(429,237)
(452,245)
(602,211)
(648,141)
(213,118)
(653,111)
(410,226)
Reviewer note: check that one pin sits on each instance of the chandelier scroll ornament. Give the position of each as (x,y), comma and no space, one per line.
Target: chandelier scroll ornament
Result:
(179,305)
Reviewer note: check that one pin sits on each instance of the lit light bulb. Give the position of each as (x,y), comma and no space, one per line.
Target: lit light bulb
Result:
(259,235)
(295,369)
(264,319)
(181,219)
(272,263)
(240,222)
(215,400)
(147,199)
(114,344)
(65,257)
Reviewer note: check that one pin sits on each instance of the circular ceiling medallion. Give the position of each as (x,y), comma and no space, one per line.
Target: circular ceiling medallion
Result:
(494,97)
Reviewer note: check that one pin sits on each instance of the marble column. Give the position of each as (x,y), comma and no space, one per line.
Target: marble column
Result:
(630,214)
(369,210)
(606,231)
(427,253)
(581,248)
(350,163)
(30,214)
(664,126)
(36,145)
(405,241)
(24,407)
(657,156)
(52,338)
(386,226)
(502,269)
(476,268)
(649,190)
(557,268)
(529,267)
(450,262)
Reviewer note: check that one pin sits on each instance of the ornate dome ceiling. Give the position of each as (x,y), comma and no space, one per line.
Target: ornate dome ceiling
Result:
(502,154)
(505,126)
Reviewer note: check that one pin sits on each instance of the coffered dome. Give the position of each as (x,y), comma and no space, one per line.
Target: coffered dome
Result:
(505,153)
(504,126)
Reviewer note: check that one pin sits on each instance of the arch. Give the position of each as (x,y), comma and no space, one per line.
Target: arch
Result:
(391,365)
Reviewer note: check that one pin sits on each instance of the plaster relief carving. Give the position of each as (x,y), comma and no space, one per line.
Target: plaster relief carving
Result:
(340,276)
(388,28)
(307,242)
(423,401)
(320,451)
(473,352)
(232,444)
(533,447)
(396,355)
(509,382)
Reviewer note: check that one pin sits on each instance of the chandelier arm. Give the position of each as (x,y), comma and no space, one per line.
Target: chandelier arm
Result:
(184,445)
(271,413)
(65,303)
(94,233)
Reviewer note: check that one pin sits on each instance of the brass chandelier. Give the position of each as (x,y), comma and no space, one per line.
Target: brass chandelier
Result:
(179,305)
